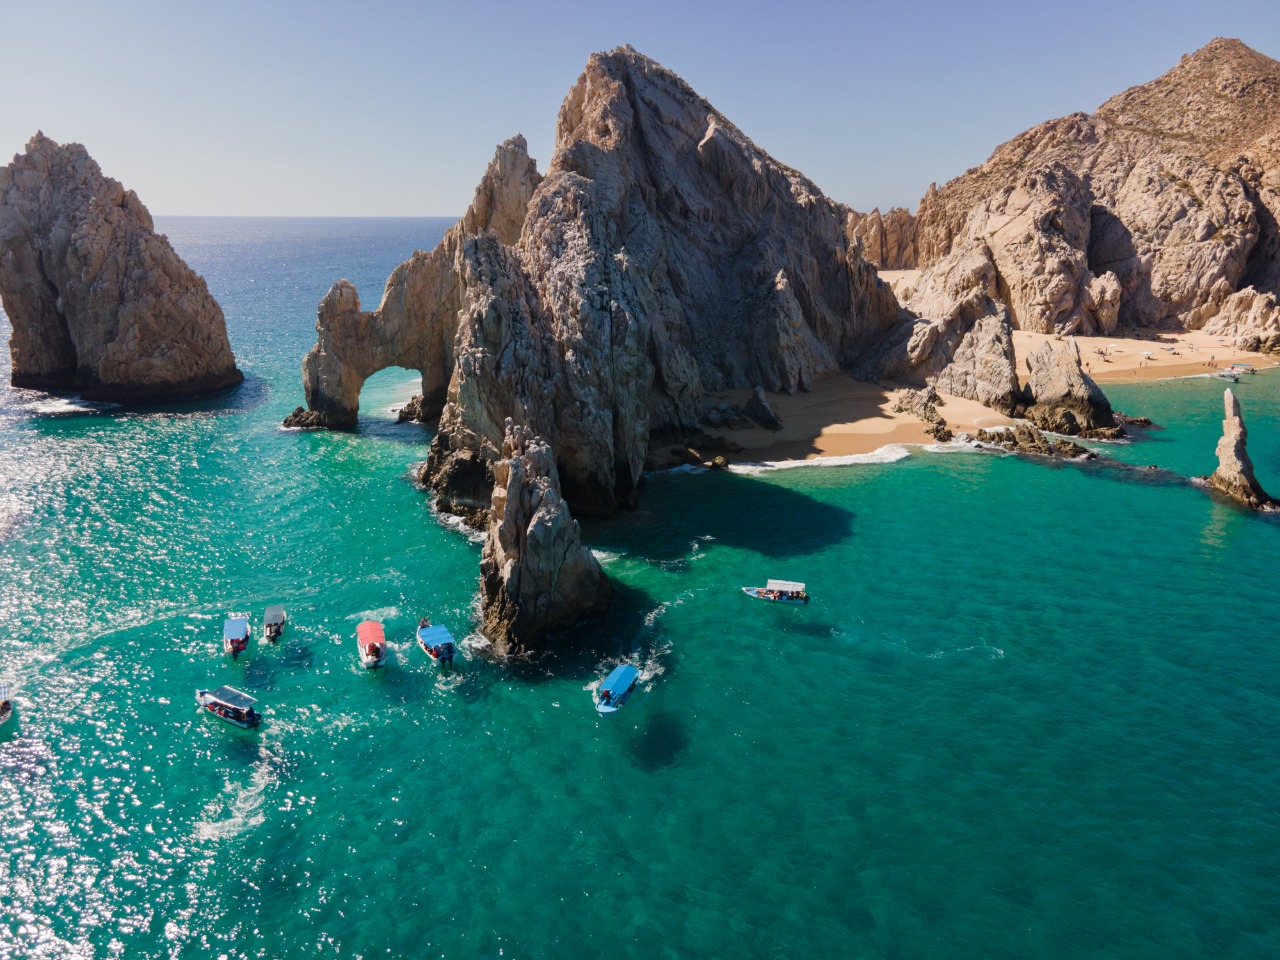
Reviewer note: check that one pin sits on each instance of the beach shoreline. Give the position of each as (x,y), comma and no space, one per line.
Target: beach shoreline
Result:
(841,418)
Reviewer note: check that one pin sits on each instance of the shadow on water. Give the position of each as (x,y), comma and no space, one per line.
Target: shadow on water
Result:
(621,635)
(679,512)
(661,742)
(49,408)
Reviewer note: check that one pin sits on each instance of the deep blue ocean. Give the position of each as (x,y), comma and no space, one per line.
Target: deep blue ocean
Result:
(1032,711)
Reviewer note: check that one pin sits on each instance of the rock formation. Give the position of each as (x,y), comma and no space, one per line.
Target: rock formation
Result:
(99,302)
(536,576)
(1024,438)
(663,257)
(1154,211)
(888,241)
(1251,318)
(1061,397)
(1234,476)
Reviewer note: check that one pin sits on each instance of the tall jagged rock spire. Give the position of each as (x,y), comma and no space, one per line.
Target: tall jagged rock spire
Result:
(536,575)
(1234,476)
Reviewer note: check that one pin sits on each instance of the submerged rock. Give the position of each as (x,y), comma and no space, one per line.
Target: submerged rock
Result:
(1024,438)
(1234,476)
(536,575)
(99,302)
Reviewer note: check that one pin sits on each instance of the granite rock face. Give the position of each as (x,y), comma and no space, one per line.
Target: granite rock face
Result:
(536,575)
(1234,476)
(1060,396)
(663,257)
(100,303)
(888,241)
(1151,212)
(416,322)
(1252,318)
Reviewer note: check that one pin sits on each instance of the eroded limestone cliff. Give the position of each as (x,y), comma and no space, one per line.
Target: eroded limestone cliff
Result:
(100,302)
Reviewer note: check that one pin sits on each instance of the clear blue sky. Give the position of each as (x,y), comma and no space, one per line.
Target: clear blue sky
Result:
(394,108)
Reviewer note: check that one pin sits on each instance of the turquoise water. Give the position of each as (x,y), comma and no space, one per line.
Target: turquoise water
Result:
(1032,711)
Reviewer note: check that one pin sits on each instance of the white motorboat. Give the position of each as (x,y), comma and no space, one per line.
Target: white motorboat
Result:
(229,704)
(779,591)
(273,623)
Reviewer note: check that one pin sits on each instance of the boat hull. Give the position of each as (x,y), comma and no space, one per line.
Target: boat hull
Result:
(759,594)
(210,707)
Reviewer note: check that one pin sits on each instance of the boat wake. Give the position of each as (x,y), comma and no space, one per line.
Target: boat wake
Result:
(238,809)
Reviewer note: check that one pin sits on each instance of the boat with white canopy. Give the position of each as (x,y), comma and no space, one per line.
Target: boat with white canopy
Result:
(273,623)
(617,687)
(235,636)
(436,642)
(371,641)
(6,703)
(231,705)
(779,591)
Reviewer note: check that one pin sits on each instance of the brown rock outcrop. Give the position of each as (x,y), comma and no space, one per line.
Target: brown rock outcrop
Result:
(536,575)
(1060,396)
(1170,206)
(1234,476)
(100,303)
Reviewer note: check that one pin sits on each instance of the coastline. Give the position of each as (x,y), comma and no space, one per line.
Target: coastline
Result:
(841,418)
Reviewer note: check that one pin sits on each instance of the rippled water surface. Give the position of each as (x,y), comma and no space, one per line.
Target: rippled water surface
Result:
(1033,710)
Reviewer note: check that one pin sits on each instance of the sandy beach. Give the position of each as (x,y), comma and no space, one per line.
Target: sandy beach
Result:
(843,417)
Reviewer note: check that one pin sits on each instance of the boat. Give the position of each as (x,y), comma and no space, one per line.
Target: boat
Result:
(779,591)
(617,687)
(1228,375)
(229,704)
(1239,368)
(371,642)
(273,623)
(437,643)
(235,636)
(6,704)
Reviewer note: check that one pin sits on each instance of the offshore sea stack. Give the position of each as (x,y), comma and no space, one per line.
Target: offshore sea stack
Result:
(1234,477)
(663,257)
(536,575)
(1159,210)
(99,302)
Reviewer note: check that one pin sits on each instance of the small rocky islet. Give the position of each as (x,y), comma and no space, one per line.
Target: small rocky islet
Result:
(572,321)
(100,303)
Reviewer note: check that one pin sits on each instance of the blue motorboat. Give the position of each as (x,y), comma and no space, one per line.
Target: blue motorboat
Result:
(617,687)
(437,643)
